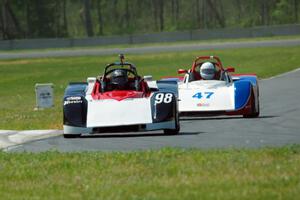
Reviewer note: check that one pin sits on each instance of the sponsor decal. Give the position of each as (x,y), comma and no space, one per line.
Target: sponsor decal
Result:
(203,104)
(72,100)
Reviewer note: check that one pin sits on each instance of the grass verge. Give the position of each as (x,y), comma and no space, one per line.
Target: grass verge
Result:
(18,77)
(269,173)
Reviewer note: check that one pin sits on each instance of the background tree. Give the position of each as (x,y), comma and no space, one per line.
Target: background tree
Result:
(296,3)
(175,12)
(87,18)
(100,17)
(9,23)
(161,14)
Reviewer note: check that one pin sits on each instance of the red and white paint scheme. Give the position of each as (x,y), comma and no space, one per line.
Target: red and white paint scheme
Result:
(120,100)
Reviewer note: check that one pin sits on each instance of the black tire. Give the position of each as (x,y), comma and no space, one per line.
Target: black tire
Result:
(71,135)
(171,131)
(255,113)
(177,127)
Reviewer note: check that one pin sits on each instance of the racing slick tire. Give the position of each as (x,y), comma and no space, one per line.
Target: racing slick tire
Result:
(172,131)
(177,127)
(255,113)
(71,135)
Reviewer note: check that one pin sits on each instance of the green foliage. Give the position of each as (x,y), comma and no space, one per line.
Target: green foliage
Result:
(268,173)
(282,13)
(66,18)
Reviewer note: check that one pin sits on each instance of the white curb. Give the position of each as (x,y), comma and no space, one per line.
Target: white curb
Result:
(11,138)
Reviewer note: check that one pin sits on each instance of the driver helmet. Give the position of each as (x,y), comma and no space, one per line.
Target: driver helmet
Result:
(207,71)
(119,77)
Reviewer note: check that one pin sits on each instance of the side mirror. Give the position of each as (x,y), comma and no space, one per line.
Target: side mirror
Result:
(182,71)
(230,69)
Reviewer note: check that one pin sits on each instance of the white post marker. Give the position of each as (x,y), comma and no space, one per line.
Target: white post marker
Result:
(44,95)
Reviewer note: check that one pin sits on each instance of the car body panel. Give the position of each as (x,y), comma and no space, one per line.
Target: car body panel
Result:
(119,112)
(206,96)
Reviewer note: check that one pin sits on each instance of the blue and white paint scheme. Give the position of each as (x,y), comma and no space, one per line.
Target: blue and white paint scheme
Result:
(226,94)
(216,95)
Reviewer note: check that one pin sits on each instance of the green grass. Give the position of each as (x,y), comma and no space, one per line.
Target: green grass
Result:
(18,77)
(269,173)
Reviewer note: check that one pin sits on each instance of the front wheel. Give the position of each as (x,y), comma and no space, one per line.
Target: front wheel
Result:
(71,135)
(177,127)
(171,131)
(255,111)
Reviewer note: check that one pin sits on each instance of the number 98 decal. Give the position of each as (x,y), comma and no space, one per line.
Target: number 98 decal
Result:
(162,97)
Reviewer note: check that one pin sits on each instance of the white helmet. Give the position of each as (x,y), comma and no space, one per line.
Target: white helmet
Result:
(207,71)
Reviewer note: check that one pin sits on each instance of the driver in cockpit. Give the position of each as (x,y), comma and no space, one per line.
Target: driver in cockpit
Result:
(119,79)
(208,71)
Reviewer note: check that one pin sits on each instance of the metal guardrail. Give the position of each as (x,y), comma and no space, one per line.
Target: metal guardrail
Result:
(226,33)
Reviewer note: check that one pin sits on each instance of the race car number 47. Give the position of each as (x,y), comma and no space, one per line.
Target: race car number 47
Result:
(200,95)
(161,97)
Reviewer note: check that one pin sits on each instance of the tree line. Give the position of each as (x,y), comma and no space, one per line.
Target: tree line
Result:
(88,18)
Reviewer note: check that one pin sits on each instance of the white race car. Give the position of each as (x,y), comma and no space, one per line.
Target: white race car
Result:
(221,94)
(120,100)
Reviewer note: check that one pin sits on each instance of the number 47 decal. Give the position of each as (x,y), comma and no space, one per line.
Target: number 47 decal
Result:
(206,95)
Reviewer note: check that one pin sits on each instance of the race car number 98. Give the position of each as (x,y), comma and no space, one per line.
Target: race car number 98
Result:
(161,97)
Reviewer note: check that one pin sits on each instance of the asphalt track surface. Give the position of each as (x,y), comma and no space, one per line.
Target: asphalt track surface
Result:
(278,125)
(148,49)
